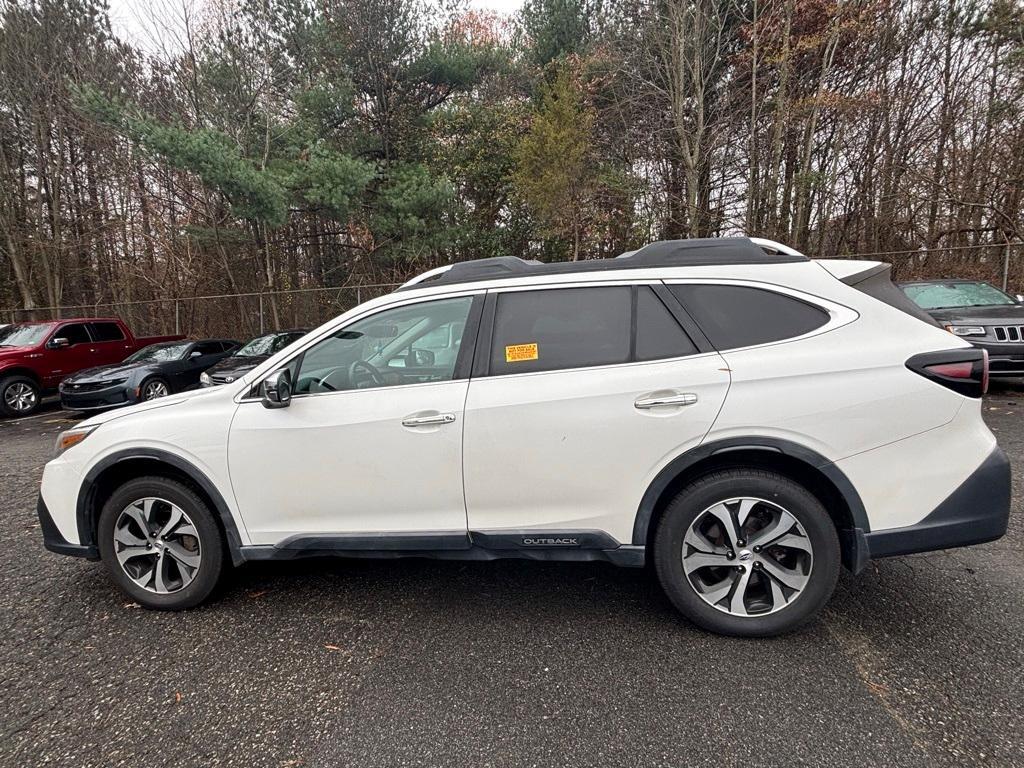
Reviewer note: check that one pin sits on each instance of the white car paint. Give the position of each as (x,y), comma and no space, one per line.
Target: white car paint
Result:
(562,449)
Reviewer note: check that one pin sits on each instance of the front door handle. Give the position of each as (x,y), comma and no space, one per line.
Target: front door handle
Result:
(664,401)
(428,421)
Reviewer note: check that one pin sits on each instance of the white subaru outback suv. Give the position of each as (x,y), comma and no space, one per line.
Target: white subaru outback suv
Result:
(739,416)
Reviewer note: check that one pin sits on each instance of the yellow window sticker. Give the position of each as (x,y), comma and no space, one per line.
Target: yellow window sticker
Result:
(518,353)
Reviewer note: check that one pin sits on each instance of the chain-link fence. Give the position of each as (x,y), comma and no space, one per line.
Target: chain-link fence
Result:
(240,316)
(1000,265)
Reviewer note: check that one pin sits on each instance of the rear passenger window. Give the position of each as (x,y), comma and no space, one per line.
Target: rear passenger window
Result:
(107,332)
(561,328)
(734,316)
(658,334)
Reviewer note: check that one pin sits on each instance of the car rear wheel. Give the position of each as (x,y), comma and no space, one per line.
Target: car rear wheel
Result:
(160,543)
(747,552)
(153,388)
(19,396)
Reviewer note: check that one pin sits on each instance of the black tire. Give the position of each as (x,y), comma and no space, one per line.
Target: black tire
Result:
(708,491)
(35,395)
(150,382)
(211,542)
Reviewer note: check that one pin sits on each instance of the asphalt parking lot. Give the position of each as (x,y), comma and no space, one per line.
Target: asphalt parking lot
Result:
(360,663)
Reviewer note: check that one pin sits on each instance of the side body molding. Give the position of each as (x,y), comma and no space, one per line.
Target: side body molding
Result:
(86,514)
(769,444)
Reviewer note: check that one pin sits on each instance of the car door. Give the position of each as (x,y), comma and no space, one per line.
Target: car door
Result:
(573,413)
(364,453)
(109,344)
(203,355)
(62,361)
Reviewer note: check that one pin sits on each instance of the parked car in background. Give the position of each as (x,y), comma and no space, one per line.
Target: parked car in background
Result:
(35,357)
(727,410)
(251,354)
(979,313)
(155,371)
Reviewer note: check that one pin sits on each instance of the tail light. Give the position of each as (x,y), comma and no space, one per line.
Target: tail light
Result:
(962,370)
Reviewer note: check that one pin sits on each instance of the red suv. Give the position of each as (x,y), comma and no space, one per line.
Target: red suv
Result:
(36,357)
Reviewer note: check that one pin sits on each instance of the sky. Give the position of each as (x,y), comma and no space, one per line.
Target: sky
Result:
(132,19)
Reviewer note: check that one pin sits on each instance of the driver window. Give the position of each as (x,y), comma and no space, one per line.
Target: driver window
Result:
(74,333)
(394,347)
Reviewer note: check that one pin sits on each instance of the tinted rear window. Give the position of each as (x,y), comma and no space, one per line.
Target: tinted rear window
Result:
(107,332)
(561,328)
(734,316)
(658,335)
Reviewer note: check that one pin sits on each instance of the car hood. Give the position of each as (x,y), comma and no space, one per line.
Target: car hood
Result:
(149,405)
(237,365)
(107,372)
(1009,314)
(13,351)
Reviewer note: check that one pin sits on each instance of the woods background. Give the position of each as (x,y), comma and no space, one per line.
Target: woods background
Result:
(271,147)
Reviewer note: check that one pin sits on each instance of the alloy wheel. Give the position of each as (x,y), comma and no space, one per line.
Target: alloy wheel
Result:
(747,557)
(157,545)
(154,389)
(20,397)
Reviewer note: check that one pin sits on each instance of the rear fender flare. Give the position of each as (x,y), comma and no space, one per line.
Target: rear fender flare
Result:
(680,464)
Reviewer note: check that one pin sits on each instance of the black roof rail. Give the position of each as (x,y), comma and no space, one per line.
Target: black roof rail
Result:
(698,252)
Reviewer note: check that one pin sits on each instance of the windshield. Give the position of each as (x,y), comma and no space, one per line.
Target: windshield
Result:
(267,345)
(23,335)
(950,295)
(159,353)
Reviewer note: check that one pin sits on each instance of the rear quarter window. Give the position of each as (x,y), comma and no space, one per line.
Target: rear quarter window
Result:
(733,316)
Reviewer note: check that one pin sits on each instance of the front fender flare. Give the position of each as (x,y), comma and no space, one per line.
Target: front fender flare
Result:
(86,514)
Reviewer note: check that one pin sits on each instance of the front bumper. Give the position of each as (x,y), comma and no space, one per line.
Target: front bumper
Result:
(976,512)
(53,540)
(1004,358)
(116,396)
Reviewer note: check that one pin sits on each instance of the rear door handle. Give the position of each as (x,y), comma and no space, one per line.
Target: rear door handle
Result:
(665,401)
(428,421)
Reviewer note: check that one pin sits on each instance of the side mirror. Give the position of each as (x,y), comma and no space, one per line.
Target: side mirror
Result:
(1020,299)
(421,358)
(59,343)
(194,354)
(277,389)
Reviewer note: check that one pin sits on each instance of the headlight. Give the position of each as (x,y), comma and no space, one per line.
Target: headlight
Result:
(72,437)
(966,330)
(112,382)
(204,378)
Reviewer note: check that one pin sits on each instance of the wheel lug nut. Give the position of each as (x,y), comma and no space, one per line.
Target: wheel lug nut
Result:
(740,543)
(757,549)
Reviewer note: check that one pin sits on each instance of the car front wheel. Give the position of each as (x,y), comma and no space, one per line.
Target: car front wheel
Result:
(19,396)
(153,388)
(747,552)
(160,543)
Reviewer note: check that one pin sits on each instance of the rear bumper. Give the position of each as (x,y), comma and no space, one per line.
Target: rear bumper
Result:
(53,540)
(976,512)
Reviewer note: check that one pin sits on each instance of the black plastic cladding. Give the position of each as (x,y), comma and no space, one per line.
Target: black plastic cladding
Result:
(698,252)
